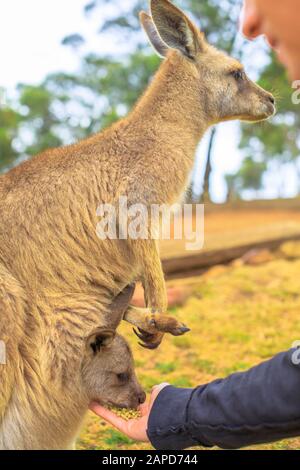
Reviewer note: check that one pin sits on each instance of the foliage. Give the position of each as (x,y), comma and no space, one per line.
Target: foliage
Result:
(249,176)
(9,126)
(278,141)
(73,40)
(39,118)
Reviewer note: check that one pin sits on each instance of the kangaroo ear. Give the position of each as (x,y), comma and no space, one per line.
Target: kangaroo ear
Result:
(175,28)
(99,338)
(157,43)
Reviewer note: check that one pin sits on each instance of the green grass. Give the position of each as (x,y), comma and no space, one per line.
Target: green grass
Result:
(165,367)
(238,367)
(115,438)
(205,365)
(184,382)
(182,342)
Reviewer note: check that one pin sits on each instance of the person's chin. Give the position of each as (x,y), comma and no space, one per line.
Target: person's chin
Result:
(290,63)
(293,68)
(282,56)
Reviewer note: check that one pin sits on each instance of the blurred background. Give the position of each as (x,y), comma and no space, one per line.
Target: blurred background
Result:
(72,67)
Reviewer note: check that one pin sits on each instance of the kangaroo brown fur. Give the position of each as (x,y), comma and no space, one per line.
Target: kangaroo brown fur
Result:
(46,411)
(57,279)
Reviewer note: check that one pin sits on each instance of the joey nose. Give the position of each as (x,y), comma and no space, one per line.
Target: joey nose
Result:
(142,398)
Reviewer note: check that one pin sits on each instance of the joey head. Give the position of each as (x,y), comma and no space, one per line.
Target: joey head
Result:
(108,375)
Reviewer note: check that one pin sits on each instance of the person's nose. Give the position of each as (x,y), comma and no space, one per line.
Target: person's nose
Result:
(250,20)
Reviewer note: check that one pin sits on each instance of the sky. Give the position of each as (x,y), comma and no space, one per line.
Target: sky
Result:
(31,32)
(30,47)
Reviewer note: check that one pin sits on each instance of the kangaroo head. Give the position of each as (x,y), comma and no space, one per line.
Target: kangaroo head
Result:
(108,371)
(218,81)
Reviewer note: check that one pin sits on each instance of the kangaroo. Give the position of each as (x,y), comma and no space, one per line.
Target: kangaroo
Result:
(106,376)
(102,372)
(57,278)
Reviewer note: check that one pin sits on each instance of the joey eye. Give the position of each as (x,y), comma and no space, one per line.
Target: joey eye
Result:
(239,75)
(123,378)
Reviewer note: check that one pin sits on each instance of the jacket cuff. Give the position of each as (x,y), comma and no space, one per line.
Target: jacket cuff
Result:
(168,421)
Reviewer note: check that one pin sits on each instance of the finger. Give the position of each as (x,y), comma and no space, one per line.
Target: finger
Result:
(144,408)
(159,387)
(110,417)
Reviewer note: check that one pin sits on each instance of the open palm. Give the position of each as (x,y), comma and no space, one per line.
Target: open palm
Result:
(135,429)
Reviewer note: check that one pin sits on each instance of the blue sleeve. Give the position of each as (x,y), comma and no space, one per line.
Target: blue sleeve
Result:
(257,406)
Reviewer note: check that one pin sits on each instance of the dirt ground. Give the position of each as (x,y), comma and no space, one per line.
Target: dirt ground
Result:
(228,228)
(239,316)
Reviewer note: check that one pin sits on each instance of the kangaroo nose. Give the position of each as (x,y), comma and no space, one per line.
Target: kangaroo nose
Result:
(272,99)
(142,398)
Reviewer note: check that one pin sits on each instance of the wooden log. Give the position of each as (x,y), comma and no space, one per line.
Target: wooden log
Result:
(198,262)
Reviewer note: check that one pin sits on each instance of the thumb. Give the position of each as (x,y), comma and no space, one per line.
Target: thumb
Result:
(156,391)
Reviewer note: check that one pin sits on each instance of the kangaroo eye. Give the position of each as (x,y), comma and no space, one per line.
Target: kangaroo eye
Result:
(123,378)
(238,75)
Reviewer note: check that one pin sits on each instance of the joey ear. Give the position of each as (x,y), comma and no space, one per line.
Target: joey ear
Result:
(99,338)
(157,43)
(175,28)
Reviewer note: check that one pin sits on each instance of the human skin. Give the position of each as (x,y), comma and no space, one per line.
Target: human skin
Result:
(134,428)
(279,21)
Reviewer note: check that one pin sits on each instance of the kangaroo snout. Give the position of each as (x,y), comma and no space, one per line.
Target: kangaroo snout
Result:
(137,398)
(269,104)
(142,397)
(137,402)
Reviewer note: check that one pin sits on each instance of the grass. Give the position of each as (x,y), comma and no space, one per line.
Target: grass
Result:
(238,318)
(205,365)
(166,367)
(116,439)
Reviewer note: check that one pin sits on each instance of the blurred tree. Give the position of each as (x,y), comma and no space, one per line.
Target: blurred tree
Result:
(278,141)
(249,176)
(103,91)
(38,120)
(75,41)
(9,127)
(208,168)
(232,189)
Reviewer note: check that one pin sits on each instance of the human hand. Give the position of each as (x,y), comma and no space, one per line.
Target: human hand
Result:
(135,429)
